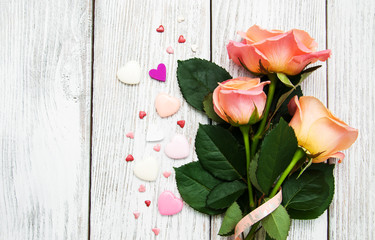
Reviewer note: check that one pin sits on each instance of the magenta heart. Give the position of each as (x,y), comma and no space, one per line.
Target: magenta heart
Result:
(159,74)
(168,204)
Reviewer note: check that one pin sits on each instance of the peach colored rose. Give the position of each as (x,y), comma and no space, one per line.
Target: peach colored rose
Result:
(235,100)
(288,52)
(318,131)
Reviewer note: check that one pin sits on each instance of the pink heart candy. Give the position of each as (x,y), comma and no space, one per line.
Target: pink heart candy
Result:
(178,148)
(130,135)
(166,105)
(156,231)
(136,215)
(159,74)
(142,188)
(169,204)
(166,174)
(157,147)
(170,50)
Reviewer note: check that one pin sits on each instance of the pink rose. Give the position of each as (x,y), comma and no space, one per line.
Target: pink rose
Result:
(240,101)
(288,52)
(318,131)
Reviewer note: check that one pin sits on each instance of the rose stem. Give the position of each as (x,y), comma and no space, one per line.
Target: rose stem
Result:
(245,132)
(258,135)
(298,155)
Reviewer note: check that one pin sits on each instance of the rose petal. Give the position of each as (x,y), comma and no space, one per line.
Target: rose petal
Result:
(305,39)
(256,34)
(298,63)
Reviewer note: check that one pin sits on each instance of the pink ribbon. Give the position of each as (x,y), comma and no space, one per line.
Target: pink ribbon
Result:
(258,214)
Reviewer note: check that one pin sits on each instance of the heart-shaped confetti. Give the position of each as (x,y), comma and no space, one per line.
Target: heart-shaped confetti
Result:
(156,231)
(160,29)
(157,147)
(154,134)
(170,50)
(169,204)
(166,174)
(160,73)
(178,148)
(180,19)
(181,39)
(147,202)
(166,105)
(142,188)
(181,123)
(194,48)
(142,114)
(136,215)
(130,73)
(147,170)
(130,135)
(129,158)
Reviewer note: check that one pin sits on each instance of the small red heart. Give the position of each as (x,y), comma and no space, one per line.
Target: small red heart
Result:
(142,114)
(148,202)
(181,123)
(181,39)
(160,29)
(129,158)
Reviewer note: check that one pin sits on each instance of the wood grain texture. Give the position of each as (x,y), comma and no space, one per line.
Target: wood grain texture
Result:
(126,30)
(231,16)
(351,36)
(45,85)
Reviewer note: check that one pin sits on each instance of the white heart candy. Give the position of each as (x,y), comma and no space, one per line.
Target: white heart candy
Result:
(130,73)
(178,148)
(154,134)
(166,105)
(147,170)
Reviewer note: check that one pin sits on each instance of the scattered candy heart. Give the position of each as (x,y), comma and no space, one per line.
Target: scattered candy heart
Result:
(194,48)
(147,170)
(142,188)
(136,215)
(166,174)
(170,50)
(156,231)
(178,148)
(130,135)
(142,114)
(169,204)
(147,202)
(181,39)
(180,19)
(166,105)
(154,134)
(130,73)
(160,73)
(340,161)
(160,29)
(157,147)
(181,123)
(129,158)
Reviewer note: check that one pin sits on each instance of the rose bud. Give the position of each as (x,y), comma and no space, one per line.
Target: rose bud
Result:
(288,52)
(240,101)
(318,131)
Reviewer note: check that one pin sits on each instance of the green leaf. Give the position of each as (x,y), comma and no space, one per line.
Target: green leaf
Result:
(224,194)
(252,172)
(277,224)
(311,194)
(232,216)
(282,104)
(197,78)
(276,152)
(194,184)
(284,79)
(305,73)
(208,108)
(220,153)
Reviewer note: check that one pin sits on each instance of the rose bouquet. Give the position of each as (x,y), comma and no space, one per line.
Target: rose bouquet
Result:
(262,162)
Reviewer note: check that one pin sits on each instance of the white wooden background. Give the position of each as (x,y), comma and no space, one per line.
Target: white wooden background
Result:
(64,116)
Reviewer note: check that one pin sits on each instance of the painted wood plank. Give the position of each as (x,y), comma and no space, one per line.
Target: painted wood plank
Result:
(351,36)
(231,16)
(126,30)
(45,86)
